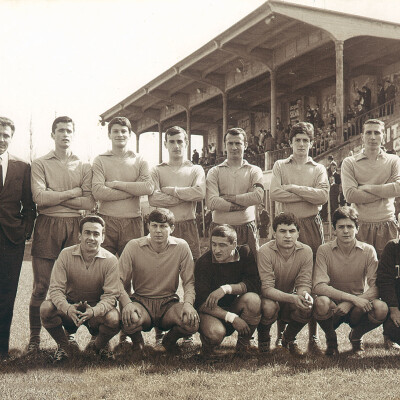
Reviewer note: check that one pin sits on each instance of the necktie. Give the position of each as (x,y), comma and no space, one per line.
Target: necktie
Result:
(1,174)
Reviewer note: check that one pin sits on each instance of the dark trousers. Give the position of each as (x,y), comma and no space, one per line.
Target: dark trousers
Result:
(11,256)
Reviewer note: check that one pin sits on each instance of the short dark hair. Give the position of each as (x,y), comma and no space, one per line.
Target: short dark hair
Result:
(162,215)
(225,231)
(236,132)
(300,128)
(374,121)
(91,218)
(63,119)
(120,121)
(287,218)
(343,213)
(7,122)
(176,130)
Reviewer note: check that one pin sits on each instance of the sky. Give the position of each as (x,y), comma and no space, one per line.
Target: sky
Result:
(81,57)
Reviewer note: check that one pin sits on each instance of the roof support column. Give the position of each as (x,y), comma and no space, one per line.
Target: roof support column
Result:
(224,122)
(188,131)
(273,102)
(339,90)
(137,142)
(160,142)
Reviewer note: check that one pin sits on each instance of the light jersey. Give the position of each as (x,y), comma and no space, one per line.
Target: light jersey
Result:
(308,200)
(285,275)
(359,170)
(131,168)
(156,275)
(73,281)
(50,175)
(190,187)
(246,183)
(352,273)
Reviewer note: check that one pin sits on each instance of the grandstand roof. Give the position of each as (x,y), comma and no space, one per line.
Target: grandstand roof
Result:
(298,42)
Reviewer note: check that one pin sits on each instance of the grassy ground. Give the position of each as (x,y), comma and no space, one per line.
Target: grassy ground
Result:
(275,376)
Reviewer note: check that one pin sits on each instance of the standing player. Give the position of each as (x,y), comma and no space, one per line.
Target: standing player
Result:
(234,189)
(84,288)
(285,267)
(17,214)
(371,181)
(178,185)
(152,265)
(301,186)
(120,177)
(61,188)
(227,287)
(344,281)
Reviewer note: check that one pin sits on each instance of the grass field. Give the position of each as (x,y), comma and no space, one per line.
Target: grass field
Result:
(274,376)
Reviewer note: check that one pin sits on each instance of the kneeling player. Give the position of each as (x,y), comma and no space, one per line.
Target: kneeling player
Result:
(152,266)
(285,266)
(227,287)
(84,288)
(342,269)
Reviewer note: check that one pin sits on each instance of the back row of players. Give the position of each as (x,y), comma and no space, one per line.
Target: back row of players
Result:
(85,279)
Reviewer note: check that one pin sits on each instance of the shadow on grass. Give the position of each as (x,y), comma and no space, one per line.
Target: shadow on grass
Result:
(156,362)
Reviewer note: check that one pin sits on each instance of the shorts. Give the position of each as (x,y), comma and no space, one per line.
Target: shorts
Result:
(156,308)
(52,234)
(378,234)
(188,231)
(246,234)
(119,231)
(311,232)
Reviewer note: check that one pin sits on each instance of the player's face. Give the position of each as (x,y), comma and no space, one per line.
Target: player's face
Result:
(222,248)
(159,232)
(119,135)
(372,136)
(5,138)
(235,146)
(63,135)
(286,236)
(176,145)
(92,237)
(301,144)
(345,230)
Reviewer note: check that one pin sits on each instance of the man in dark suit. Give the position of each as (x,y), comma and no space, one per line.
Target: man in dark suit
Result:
(17,214)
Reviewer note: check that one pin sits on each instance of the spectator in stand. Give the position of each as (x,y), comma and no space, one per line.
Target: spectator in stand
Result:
(269,142)
(310,115)
(332,120)
(261,137)
(212,153)
(195,157)
(318,121)
(279,131)
(365,97)
(390,94)
(333,194)
(381,99)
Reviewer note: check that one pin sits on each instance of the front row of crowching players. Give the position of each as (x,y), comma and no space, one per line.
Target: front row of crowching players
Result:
(227,286)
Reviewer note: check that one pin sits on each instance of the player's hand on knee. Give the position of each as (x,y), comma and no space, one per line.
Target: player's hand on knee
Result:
(343,308)
(214,297)
(130,314)
(395,316)
(241,326)
(74,313)
(365,304)
(299,302)
(189,315)
(307,299)
(87,314)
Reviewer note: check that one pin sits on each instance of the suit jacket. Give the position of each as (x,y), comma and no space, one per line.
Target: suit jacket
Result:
(17,209)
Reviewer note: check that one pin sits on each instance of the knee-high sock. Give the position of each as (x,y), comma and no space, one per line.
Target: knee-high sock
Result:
(35,323)
(292,329)
(363,327)
(264,332)
(105,334)
(327,327)
(58,334)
